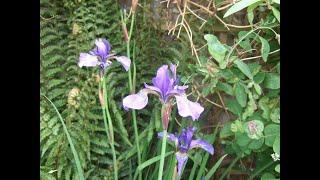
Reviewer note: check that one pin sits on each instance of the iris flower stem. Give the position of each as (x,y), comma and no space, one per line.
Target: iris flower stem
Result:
(132,87)
(163,151)
(111,135)
(104,114)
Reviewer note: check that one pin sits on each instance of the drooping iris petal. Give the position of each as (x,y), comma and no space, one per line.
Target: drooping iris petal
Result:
(103,47)
(199,143)
(125,61)
(136,101)
(88,60)
(162,80)
(188,108)
(171,137)
(182,160)
(181,87)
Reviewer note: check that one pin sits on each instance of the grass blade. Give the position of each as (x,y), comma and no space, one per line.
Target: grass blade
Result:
(74,152)
(214,168)
(149,162)
(206,157)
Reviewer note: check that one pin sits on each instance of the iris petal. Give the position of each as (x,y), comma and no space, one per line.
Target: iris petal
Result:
(125,61)
(188,108)
(182,160)
(199,143)
(171,137)
(152,88)
(136,101)
(162,80)
(103,47)
(88,60)
(185,139)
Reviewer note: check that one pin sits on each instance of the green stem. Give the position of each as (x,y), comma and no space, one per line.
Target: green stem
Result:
(132,87)
(136,133)
(229,168)
(260,170)
(242,38)
(163,151)
(111,139)
(104,115)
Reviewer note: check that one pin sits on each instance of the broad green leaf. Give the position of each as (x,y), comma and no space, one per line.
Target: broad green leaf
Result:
(234,107)
(276,145)
(259,77)
(226,130)
(276,1)
(275,115)
(245,43)
(243,67)
(254,129)
(206,91)
(277,168)
(241,94)
(251,107)
(265,48)
(250,10)
(214,168)
(256,144)
(257,88)
(273,93)
(254,68)
(267,176)
(276,13)
(236,126)
(247,151)
(216,49)
(227,88)
(271,132)
(272,81)
(263,104)
(242,139)
(239,6)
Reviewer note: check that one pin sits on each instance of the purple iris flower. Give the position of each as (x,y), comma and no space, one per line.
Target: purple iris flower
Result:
(184,142)
(165,85)
(100,56)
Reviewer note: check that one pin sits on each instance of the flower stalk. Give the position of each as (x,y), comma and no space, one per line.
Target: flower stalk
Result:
(132,84)
(162,156)
(108,125)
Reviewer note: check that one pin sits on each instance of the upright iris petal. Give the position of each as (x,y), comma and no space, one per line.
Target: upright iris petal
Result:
(165,85)
(162,81)
(185,139)
(100,56)
(184,143)
(103,47)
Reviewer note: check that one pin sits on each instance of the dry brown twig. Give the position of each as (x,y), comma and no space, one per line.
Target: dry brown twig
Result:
(184,23)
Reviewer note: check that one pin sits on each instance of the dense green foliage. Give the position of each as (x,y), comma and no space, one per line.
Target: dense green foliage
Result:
(232,69)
